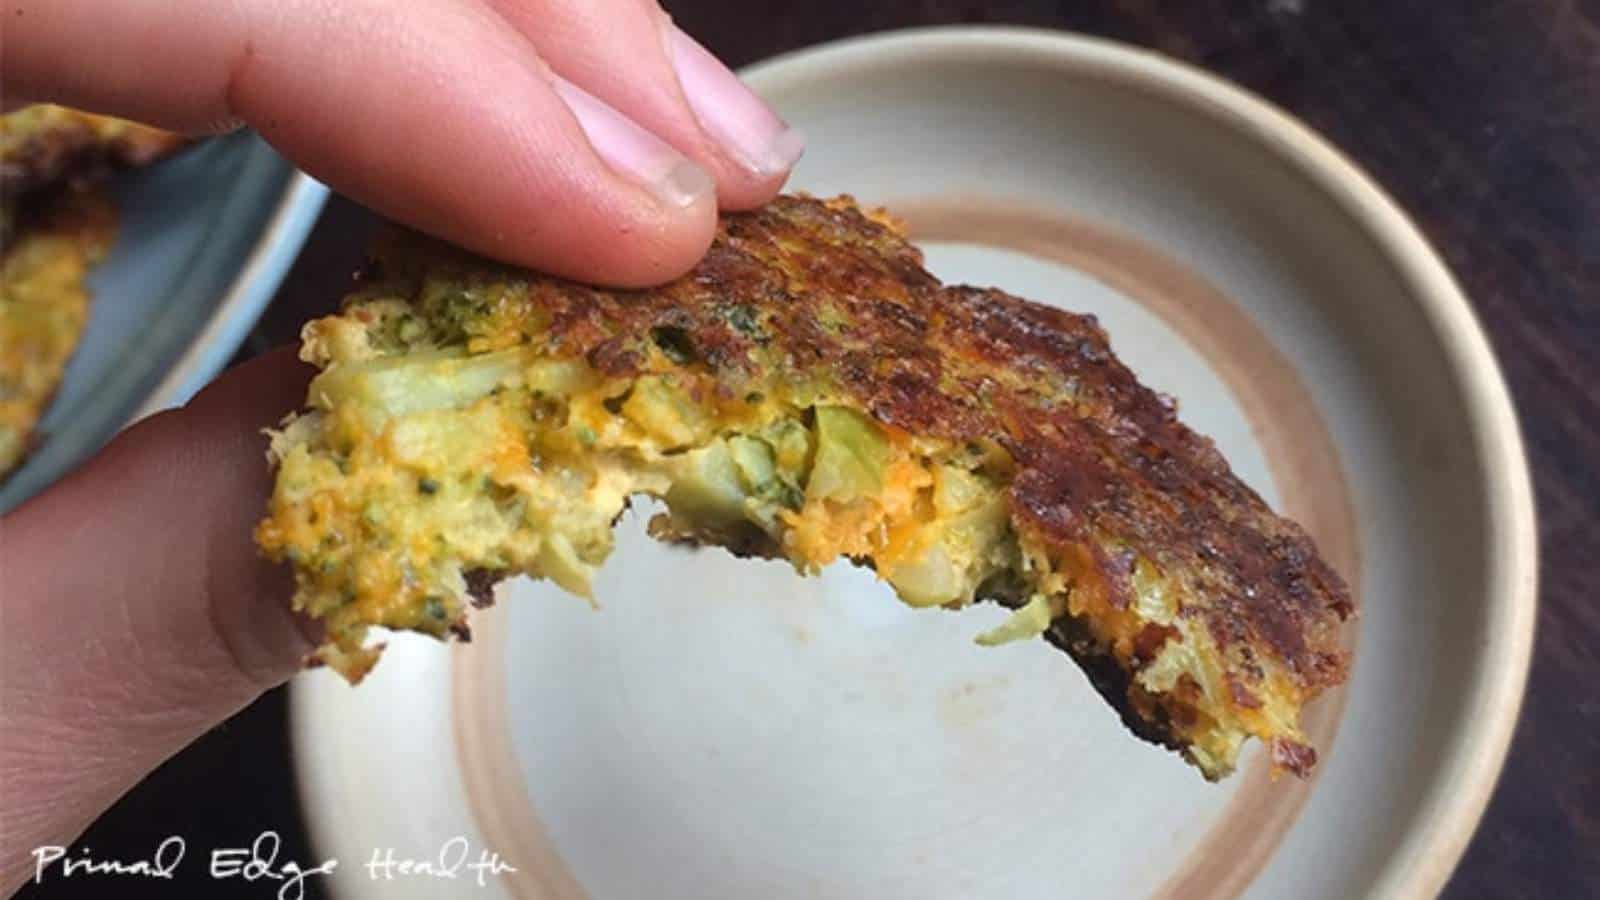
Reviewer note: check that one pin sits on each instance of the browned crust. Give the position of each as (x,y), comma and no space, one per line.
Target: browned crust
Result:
(803,289)
(85,215)
(86,218)
(1115,683)
(78,149)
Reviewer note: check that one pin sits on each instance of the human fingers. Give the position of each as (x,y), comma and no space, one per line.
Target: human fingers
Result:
(630,54)
(138,614)
(437,113)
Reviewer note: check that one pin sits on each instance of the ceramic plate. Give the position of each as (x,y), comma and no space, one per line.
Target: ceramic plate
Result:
(202,242)
(726,729)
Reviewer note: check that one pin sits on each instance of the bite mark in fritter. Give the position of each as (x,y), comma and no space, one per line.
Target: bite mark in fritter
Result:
(808,392)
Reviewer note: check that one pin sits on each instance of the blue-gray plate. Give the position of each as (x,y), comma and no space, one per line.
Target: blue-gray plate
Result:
(204,240)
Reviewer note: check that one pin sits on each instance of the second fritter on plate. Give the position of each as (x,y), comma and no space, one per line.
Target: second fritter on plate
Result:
(55,224)
(44,305)
(808,392)
(45,145)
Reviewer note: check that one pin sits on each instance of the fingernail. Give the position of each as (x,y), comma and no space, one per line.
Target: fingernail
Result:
(634,152)
(730,112)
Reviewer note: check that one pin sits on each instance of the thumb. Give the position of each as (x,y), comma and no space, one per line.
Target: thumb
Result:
(137,614)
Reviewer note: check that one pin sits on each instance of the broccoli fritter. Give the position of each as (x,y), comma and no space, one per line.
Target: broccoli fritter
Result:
(55,224)
(808,392)
(44,305)
(45,145)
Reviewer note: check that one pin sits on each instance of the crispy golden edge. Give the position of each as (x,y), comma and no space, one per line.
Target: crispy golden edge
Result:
(1105,472)
(45,146)
(43,267)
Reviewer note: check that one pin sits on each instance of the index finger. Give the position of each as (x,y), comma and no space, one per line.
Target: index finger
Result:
(435,113)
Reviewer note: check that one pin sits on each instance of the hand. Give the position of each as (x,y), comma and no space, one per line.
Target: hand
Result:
(589,138)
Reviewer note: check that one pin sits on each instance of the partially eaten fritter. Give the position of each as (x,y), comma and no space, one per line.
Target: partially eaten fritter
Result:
(44,305)
(808,392)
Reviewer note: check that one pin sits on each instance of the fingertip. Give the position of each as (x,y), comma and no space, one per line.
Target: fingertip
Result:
(758,147)
(629,54)
(259,390)
(682,249)
(648,217)
(749,191)
(508,161)
(742,187)
(622,255)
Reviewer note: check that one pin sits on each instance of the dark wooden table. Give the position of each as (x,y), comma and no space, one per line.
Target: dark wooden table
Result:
(1481,116)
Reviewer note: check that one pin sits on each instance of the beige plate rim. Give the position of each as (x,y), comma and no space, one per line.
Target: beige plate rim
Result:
(1422,863)
(1424,860)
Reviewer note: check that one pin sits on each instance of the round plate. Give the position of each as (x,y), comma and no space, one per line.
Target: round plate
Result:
(726,729)
(203,240)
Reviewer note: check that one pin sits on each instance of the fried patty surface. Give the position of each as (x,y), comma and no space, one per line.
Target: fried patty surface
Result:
(807,392)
